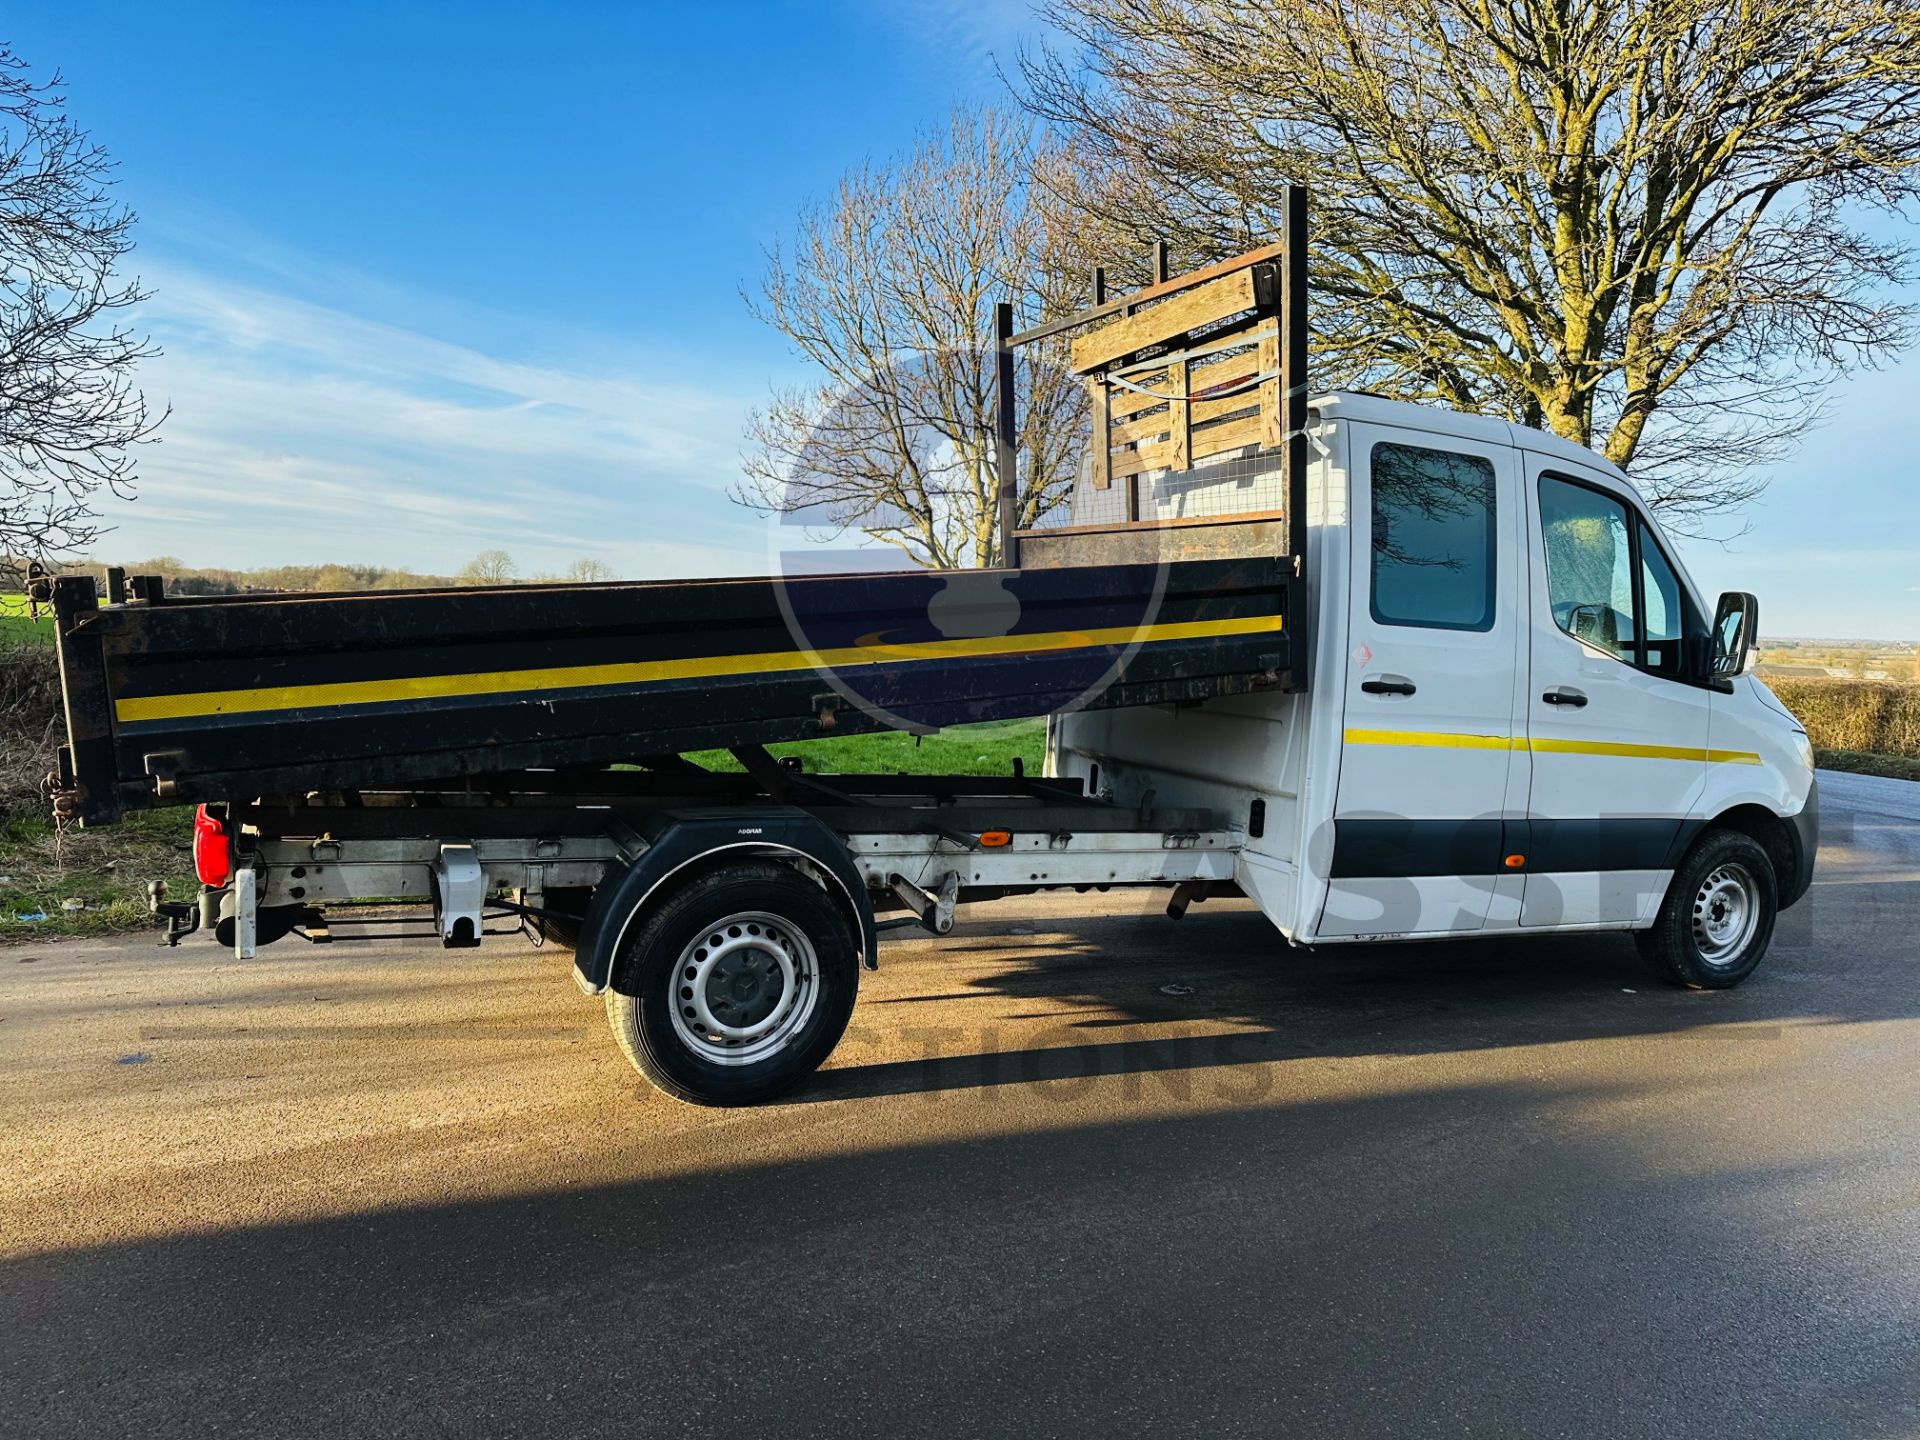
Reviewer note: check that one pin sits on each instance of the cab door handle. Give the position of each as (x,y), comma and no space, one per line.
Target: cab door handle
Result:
(1388,685)
(1565,695)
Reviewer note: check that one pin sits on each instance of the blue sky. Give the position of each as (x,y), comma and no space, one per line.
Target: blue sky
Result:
(436,278)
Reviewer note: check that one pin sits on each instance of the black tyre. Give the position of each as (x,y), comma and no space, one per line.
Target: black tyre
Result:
(1717,919)
(736,987)
(559,922)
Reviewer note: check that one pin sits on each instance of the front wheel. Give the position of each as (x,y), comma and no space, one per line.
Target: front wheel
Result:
(1718,916)
(736,987)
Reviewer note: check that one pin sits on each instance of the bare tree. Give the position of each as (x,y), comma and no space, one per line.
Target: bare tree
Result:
(70,416)
(489,567)
(586,571)
(888,290)
(1631,222)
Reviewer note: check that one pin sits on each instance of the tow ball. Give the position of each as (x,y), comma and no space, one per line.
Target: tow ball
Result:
(178,918)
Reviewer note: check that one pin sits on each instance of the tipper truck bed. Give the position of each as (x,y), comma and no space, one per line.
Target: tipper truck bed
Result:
(173,700)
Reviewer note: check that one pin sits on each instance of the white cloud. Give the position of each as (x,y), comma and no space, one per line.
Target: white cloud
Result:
(303,432)
(976,31)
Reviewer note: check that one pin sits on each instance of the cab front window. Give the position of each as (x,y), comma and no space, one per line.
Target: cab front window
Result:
(1589,566)
(1609,583)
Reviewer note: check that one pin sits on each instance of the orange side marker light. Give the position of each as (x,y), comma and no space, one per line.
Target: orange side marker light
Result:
(1515,862)
(995,839)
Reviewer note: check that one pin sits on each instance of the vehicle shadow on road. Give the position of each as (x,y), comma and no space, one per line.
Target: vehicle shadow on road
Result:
(1244,998)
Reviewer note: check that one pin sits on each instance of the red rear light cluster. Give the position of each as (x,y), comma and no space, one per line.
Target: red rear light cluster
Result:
(212,855)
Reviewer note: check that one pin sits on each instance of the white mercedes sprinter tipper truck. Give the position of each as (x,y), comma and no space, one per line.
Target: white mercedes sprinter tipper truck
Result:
(1390,672)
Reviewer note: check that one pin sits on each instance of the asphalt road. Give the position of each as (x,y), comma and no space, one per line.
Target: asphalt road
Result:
(1482,1188)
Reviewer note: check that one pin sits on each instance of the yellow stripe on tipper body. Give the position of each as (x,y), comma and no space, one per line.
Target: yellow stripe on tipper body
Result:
(1547,745)
(135,709)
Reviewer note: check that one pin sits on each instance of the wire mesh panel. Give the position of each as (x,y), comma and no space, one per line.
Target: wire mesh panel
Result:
(1244,483)
(1187,399)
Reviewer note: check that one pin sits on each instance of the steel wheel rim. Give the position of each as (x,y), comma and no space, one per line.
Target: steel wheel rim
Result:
(1726,912)
(743,988)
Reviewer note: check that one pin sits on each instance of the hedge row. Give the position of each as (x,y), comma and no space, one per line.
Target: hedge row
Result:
(29,720)
(1876,716)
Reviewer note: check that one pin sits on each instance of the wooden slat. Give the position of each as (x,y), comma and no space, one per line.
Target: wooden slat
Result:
(1230,435)
(1218,372)
(1214,439)
(1209,272)
(1212,345)
(1269,393)
(1147,457)
(1102,306)
(1123,402)
(1179,418)
(1152,427)
(1184,311)
(1204,410)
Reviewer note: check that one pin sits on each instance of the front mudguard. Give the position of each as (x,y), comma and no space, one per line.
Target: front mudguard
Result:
(1805,830)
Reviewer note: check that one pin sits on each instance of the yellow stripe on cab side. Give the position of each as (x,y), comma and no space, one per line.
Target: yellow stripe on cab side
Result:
(1450,740)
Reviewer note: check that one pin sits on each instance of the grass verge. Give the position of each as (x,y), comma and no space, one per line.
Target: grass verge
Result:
(1858,762)
(89,882)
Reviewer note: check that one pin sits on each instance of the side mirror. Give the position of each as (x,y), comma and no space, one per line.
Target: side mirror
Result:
(1736,622)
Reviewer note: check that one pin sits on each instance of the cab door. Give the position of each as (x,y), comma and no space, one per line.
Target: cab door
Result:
(1617,728)
(1436,637)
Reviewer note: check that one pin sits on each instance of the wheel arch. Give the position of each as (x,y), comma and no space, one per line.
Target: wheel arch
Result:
(1773,835)
(686,848)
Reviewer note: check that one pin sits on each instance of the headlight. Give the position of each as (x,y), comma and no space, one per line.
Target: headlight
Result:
(1804,746)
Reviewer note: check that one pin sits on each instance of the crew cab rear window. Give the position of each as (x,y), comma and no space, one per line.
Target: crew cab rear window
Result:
(1433,530)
